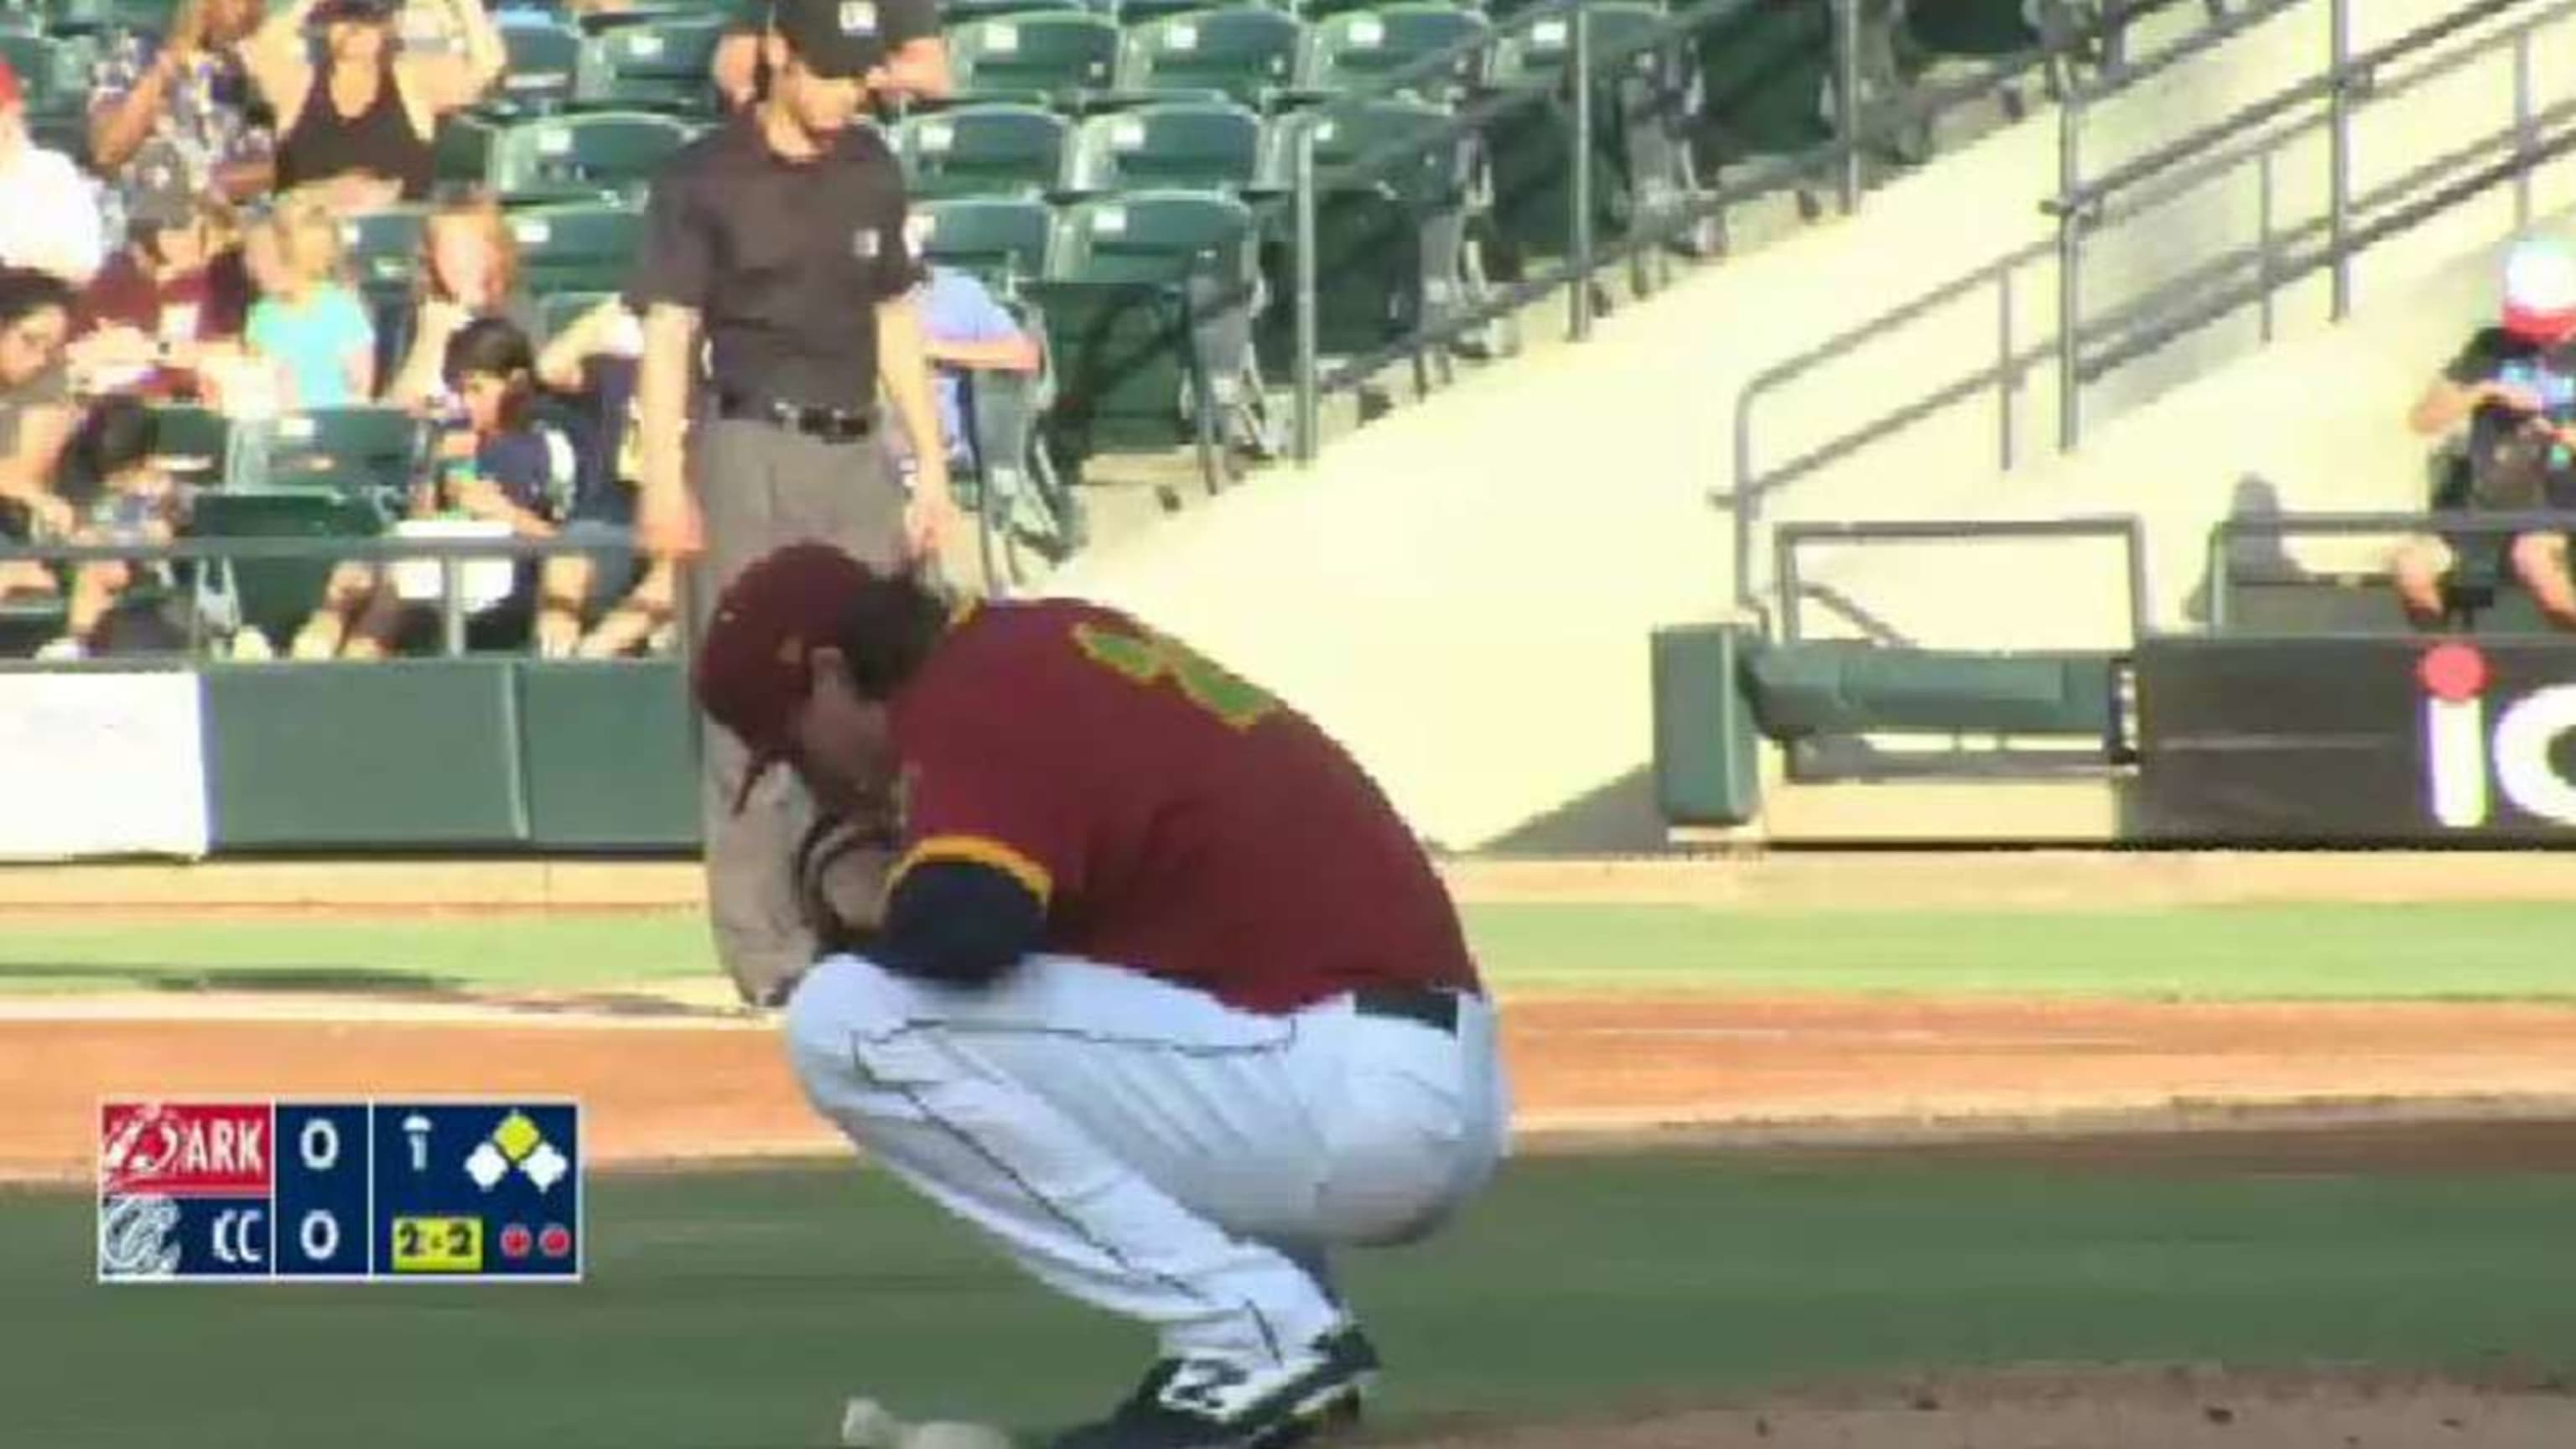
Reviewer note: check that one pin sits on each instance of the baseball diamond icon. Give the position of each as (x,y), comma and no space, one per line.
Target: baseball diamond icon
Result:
(518,1143)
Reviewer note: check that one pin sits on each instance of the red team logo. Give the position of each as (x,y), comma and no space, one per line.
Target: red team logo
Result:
(184,1148)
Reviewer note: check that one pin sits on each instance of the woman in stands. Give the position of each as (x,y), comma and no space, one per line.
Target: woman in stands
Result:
(469,269)
(357,127)
(311,326)
(174,291)
(36,419)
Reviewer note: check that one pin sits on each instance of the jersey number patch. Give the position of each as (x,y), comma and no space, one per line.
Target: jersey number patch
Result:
(1150,658)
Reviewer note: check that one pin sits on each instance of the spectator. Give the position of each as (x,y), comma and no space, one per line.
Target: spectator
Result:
(312,327)
(50,221)
(181,103)
(916,65)
(137,504)
(358,127)
(36,419)
(469,268)
(595,359)
(2515,386)
(493,461)
(171,291)
(963,330)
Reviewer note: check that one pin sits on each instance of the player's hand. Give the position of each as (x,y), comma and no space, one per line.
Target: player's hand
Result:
(668,526)
(929,519)
(53,518)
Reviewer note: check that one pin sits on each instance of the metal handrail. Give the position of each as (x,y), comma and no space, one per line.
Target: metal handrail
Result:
(2226,531)
(2255,113)
(1845,150)
(2125,527)
(2153,317)
(374,548)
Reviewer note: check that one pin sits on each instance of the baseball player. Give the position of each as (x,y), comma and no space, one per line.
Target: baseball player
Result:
(1137,973)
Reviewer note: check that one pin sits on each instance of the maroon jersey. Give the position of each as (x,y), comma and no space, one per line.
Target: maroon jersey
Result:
(1173,818)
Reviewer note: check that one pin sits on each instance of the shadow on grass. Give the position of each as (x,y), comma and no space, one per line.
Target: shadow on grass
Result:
(155,976)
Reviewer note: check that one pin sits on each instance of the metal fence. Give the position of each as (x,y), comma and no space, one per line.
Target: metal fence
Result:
(1840,159)
(2084,349)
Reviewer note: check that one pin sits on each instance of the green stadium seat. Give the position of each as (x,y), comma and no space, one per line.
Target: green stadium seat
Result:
(1148,314)
(1004,240)
(658,63)
(195,443)
(53,70)
(1047,57)
(1973,27)
(368,453)
(960,12)
(559,310)
(583,155)
(105,17)
(576,246)
(1527,147)
(1765,76)
(1194,144)
(1392,245)
(275,596)
(1244,53)
(1146,12)
(1362,47)
(999,150)
(544,59)
(382,248)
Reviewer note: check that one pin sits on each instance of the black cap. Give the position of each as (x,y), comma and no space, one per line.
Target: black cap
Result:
(361,11)
(836,38)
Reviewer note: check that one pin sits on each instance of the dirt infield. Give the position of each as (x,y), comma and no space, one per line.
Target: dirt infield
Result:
(2094,1409)
(665,1082)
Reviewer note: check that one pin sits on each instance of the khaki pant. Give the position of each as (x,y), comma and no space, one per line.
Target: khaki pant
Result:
(762,487)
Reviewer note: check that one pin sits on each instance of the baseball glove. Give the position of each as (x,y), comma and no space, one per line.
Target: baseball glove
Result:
(841,870)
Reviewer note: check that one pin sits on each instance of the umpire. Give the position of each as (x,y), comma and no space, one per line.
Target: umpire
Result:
(778,238)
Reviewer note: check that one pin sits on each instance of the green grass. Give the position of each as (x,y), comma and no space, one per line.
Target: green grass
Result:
(730,1311)
(2212,953)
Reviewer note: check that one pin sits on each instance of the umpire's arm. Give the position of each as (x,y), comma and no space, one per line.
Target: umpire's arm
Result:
(666,517)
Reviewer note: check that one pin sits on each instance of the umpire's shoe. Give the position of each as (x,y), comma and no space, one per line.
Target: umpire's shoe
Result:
(1201,1403)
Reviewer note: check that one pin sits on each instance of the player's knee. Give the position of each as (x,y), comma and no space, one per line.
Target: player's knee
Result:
(842,1002)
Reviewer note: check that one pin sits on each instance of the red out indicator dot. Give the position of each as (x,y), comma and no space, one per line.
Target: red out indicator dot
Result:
(516,1240)
(555,1241)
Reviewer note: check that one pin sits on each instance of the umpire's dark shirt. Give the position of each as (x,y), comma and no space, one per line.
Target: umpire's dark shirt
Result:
(783,260)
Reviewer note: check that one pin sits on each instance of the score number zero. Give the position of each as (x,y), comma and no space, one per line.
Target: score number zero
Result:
(318,1233)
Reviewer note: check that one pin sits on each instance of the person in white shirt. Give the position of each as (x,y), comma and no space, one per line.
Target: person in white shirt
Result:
(51,223)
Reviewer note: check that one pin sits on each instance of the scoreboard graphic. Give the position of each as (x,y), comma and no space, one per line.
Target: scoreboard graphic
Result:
(429,1191)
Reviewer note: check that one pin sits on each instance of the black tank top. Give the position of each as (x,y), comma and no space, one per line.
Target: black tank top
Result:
(379,139)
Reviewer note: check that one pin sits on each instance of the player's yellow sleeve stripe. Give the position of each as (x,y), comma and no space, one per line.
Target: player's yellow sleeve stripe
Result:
(981,850)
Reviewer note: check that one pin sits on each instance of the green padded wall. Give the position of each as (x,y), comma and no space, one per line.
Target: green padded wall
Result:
(403,755)
(1838,687)
(608,755)
(1707,756)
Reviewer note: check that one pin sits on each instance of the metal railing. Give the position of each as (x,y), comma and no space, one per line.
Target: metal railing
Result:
(450,553)
(1793,587)
(1588,254)
(2227,532)
(2206,291)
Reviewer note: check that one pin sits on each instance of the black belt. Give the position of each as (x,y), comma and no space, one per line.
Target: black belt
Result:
(1433,1006)
(831,425)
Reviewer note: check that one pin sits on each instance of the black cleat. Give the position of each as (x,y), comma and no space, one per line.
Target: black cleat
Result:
(1205,1403)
